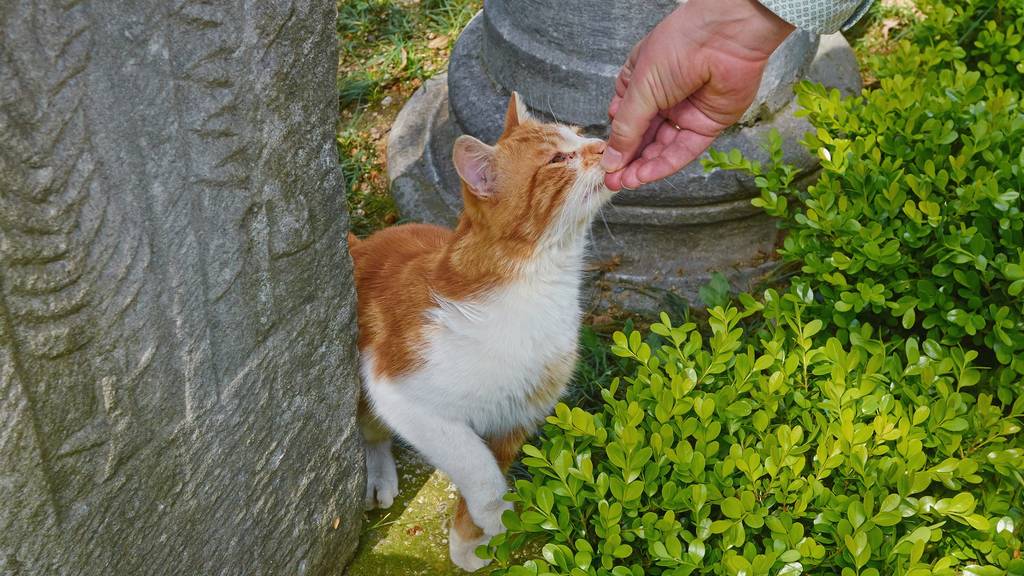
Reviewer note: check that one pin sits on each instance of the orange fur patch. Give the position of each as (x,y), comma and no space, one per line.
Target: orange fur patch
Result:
(463,523)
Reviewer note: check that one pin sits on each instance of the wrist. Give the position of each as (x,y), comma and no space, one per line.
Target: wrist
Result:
(748,26)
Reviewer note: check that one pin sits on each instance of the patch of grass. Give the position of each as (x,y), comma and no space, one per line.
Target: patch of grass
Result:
(879,31)
(387,44)
(594,370)
(370,206)
(387,48)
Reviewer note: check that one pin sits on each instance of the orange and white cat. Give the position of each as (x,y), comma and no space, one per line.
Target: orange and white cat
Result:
(468,337)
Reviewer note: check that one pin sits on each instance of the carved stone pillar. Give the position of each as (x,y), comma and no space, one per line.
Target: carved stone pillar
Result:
(563,58)
(177,363)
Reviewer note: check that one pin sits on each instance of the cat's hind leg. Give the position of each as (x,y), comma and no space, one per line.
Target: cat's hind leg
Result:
(381,474)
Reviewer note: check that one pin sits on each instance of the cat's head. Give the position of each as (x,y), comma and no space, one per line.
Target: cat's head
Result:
(539,183)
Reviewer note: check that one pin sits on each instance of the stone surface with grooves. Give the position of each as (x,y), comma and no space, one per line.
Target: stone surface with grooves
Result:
(177,360)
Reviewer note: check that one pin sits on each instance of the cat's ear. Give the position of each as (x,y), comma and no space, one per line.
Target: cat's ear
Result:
(474,161)
(516,113)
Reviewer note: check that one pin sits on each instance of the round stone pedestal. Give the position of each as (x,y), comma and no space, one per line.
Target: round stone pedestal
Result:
(669,235)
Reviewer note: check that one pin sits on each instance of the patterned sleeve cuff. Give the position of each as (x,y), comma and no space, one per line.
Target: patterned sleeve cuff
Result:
(819,16)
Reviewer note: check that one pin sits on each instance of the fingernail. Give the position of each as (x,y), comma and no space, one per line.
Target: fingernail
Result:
(611,159)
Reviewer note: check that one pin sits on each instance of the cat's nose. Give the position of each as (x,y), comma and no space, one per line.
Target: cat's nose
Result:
(592,152)
(596,147)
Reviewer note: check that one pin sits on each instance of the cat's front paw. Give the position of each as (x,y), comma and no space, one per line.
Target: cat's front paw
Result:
(463,550)
(381,478)
(488,517)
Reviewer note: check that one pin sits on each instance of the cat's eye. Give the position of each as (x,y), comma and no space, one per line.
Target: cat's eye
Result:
(559,157)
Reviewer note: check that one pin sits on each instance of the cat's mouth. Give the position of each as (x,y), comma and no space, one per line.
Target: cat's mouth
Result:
(595,185)
(594,166)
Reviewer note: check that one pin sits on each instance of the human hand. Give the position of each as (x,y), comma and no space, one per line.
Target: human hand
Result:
(690,78)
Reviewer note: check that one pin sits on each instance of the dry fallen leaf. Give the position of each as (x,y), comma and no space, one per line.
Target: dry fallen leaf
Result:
(888,25)
(611,264)
(438,43)
(336,523)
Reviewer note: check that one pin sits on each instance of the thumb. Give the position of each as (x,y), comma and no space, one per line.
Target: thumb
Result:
(635,112)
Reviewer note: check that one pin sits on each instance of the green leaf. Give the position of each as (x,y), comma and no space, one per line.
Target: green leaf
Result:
(955,425)
(908,319)
(720,526)
(545,499)
(791,569)
(978,522)
(620,340)
(812,328)
(976,570)
(732,508)
(857,545)
(855,513)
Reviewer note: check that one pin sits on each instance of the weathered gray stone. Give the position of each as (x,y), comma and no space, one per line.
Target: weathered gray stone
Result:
(177,382)
(836,65)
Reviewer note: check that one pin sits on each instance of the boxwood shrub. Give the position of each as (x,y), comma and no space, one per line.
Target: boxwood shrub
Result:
(915,222)
(776,449)
(867,419)
(985,35)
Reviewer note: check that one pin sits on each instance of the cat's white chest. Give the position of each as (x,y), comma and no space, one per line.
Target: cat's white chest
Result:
(490,360)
